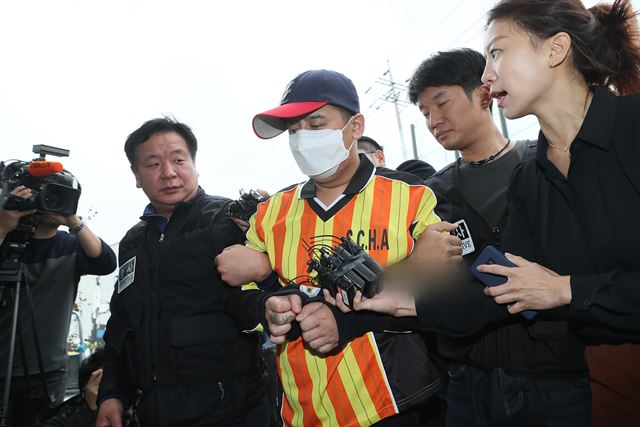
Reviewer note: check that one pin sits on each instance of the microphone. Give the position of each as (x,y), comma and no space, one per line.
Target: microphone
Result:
(43,168)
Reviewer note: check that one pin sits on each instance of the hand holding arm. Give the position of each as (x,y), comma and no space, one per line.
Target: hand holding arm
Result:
(436,246)
(239,265)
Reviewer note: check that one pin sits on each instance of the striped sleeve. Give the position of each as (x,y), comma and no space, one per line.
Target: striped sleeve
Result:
(255,233)
(425,214)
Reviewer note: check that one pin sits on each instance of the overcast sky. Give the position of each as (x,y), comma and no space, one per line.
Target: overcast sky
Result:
(82,75)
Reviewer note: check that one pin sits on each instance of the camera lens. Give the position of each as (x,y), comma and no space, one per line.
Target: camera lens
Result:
(52,202)
(59,199)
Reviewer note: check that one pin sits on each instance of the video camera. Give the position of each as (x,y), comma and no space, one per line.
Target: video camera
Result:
(346,268)
(53,189)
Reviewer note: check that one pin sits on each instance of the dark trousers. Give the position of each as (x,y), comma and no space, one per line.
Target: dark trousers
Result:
(410,418)
(477,398)
(241,402)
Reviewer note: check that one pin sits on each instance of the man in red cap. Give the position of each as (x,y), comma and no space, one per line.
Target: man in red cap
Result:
(333,372)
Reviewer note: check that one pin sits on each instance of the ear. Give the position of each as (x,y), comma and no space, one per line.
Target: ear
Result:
(357,126)
(559,47)
(484,95)
(379,155)
(135,173)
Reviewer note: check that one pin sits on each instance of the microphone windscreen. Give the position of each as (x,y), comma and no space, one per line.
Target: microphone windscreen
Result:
(43,168)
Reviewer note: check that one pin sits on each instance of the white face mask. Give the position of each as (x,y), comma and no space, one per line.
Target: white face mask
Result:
(319,153)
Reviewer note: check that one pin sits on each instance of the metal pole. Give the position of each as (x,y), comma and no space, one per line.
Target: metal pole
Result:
(413,141)
(4,415)
(395,105)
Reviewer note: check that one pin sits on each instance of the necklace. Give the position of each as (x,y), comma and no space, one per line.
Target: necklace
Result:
(557,147)
(490,158)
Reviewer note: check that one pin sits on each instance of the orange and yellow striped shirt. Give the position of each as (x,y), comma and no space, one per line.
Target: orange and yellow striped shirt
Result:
(383,215)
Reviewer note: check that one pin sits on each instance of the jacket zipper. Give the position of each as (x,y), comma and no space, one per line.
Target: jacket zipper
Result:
(155,364)
(221,390)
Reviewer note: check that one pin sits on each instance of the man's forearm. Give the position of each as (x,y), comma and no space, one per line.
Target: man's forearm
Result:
(355,324)
(89,241)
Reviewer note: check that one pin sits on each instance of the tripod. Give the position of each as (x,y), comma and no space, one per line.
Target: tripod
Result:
(13,278)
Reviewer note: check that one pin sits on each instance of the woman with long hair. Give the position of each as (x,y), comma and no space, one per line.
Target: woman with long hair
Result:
(574,208)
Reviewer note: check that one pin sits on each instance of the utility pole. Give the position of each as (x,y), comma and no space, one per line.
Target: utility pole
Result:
(392,95)
(413,141)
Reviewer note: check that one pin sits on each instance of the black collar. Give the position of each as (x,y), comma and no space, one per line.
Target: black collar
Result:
(149,210)
(598,126)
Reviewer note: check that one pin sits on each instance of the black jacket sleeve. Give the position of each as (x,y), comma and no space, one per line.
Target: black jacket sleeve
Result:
(115,381)
(240,305)
(103,264)
(357,323)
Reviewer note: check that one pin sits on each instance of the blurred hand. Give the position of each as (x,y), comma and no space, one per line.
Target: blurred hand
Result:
(280,312)
(239,265)
(529,286)
(434,247)
(110,413)
(319,327)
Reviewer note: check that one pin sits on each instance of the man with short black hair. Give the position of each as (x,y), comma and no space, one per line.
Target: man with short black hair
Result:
(506,370)
(374,151)
(170,333)
(417,167)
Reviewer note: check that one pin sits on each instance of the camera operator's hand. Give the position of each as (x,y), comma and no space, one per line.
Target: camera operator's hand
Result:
(9,219)
(57,219)
(319,327)
(435,247)
(110,413)
(280,311)
(239,265)
(89,241)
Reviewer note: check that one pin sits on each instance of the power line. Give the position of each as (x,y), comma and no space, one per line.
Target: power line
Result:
(430,31)
(392,96)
